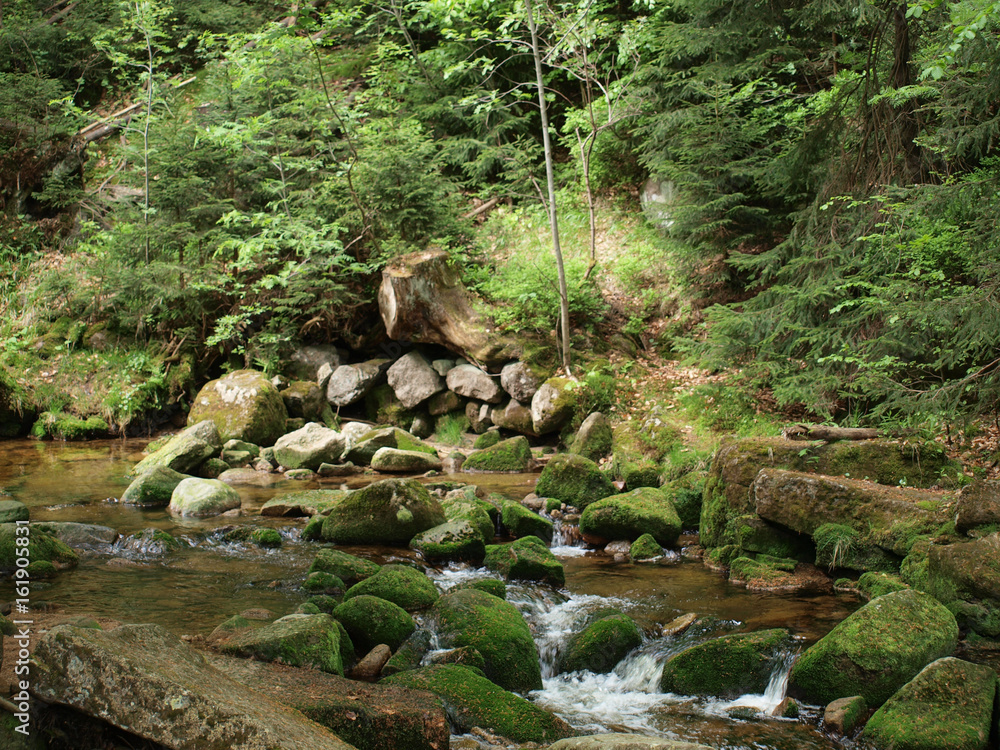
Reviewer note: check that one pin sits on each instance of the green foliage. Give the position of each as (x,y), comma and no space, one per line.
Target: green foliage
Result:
(450,429)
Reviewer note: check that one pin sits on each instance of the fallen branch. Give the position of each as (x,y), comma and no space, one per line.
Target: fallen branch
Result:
(829,433)
(482,209)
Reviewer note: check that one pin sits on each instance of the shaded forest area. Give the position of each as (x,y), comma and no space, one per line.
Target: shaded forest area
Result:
(196,185)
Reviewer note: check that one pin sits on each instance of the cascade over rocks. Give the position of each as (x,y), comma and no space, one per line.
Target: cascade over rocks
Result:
(147,681)
(422,300)
(728,666)
(244,405)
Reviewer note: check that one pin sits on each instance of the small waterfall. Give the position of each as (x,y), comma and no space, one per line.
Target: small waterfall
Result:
(777,687)
(566,540)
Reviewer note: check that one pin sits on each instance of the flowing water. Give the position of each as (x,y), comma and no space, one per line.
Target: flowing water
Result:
(192,589)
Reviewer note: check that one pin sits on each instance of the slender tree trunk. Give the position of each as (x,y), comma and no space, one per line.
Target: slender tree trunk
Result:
(550,176)
(145,129)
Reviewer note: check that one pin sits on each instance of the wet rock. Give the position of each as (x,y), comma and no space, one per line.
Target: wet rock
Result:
(876,650)
(511,456)
(399,584)
(146,680)
(966,578)
(679,624)
(42,548)
(593,439)
(387,437)
(628,516)
(474,701)
(527,559)
(495,628)
(298,504)
(949,704)
(574,480)
(12,511)
(393,460)
(349,568)
(304,400)
(728,667)
(153,488)
(297,640)
(348,384)
(391,511)
(552,405)
(370,621)
(370,666)
(624,742)
(413,380)
(471,382)
(185,451)
(243,405)
(202,498)
(601,645)
(452,540)
(842,715)
(520,522)
(309,447)
(78,535)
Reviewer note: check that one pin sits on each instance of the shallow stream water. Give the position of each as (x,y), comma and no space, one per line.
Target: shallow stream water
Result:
(193,589)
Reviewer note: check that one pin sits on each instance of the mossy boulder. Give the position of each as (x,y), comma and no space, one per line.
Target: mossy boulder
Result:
(371,620)
(492,586)
(876,650)
(309,447)
(410,654)
(601,645)
(201,498)
(399,584)
(947,706)
(323,584)
(451,540)
(304,399)
(42,547)
(767,574)
(686,493)
(487,439)
(154,488)
(367,445)
(348,568)
(553,405)
(299,504)
(297,640)
(495,628)
(872,585)
(473,701)
(510,456)
(891,517)
(526,559)
(62,426)
(966,578)
(737,463)
(726,667)
(520,521)
(244,405)
(185,451)
(844,714)
(475,511)
(978,506)
(840,546)
(574,480)
(593,439)
(645,510)
(12,511)
(394,460)
(645,548)
(391,511)
(754,534)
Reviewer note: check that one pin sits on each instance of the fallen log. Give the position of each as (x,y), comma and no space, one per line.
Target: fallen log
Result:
(829,432)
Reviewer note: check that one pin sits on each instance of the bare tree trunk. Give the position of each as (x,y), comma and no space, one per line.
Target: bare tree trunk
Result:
(550,176)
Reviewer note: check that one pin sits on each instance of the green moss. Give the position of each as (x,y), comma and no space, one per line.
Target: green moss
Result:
(391,511)
(507,456)
(686,494)
(728,666)
(257,415)
(601,645)
(476,512)
(521,521)
(384,408)
(721,557)
(324,602)
(313,530)
(61,426)
(493,586)
(452,540)
(645,548)
(873,584)
(297,640)
(753,534)
(307,608)
(349,568)
(473,701)
(41,569)
(575,480)
(760,573)
(525,559)
(370,621)
(487,439)
(630,515)
(41,548)
(399,584)
(468,617)
(913,570)
(270,538)
(319,582)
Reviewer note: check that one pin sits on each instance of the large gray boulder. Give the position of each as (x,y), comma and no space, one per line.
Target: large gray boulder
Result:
(306,361)
(413,380)
(393,460)
(514,416)
(244,405)
(147,681)
(349,384)
(978,505)
(552,405)
(471,382)
(201,498)
(309,447)
(520,381)
(185,451)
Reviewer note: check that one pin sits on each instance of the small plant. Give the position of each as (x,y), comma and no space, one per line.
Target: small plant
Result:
(451,428)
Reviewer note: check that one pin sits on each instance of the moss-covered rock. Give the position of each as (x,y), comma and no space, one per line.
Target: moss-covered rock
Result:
(306,503)
(212,468)
(348,568)
(399,584)
(309,447)
(840,546)
(201,498)
(473,701)
(966,577)
(645,548)
(495,628)
(244,405)
(475,511)
(487,439)
(601,645)
(728,666)
(526,559)
(393,460)
(765,573)
(493,586)
(876,650)
(507,456)
(520,521)
(12,511)
(154,488)
(553,405)
(41,547)
(298,640)
(62,426)
(410,654)
(367,445)
(594,438)
(844,714)
(370,620)
(949,704)
(574,480)
(452,540)
(686,493)
(326,584)
(313,530)
(391,511)
(872,585)
(185,451)
(753,534)
(978,506)
(630,515)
